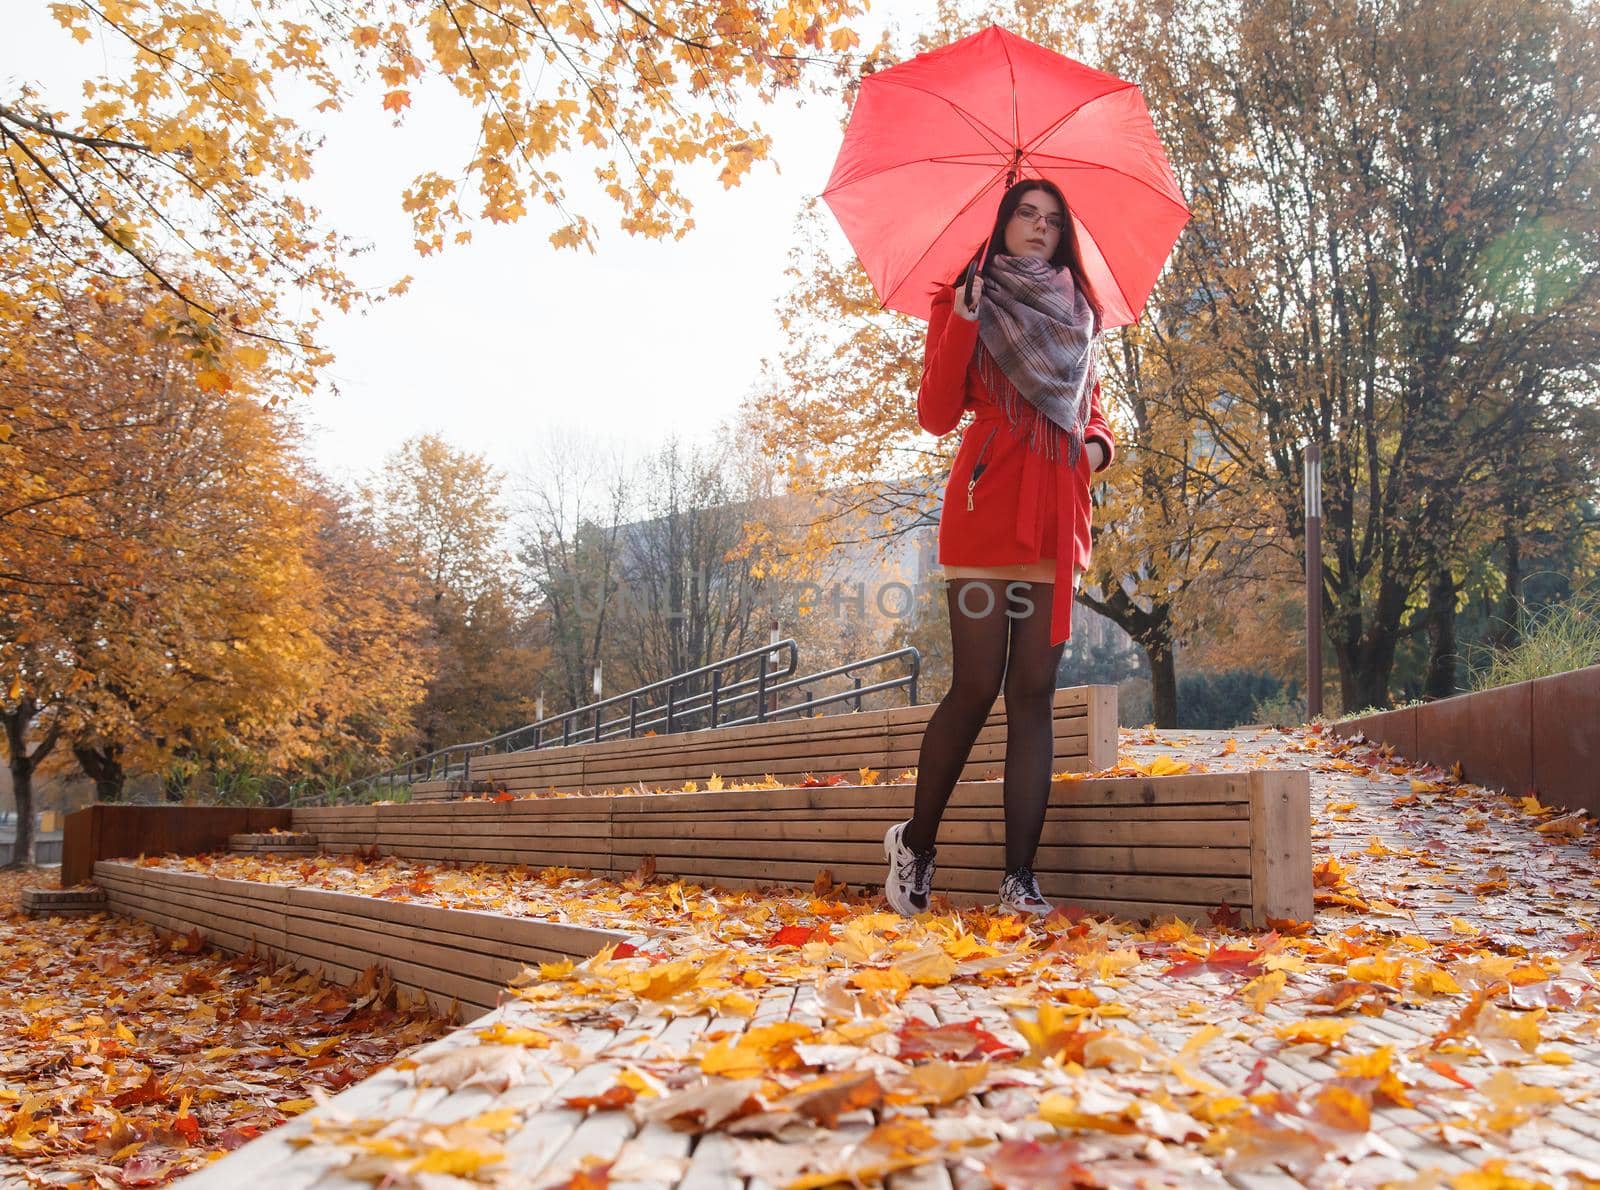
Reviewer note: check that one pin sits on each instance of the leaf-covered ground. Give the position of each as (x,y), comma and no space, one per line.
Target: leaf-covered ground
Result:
(128,1057)
(1436,1025)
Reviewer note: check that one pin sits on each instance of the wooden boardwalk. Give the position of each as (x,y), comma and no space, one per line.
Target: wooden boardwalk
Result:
(1442,1015)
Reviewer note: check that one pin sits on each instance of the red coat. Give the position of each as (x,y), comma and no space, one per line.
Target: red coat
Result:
(1025,506)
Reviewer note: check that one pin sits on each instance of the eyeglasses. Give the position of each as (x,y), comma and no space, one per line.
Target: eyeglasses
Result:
(1032,214)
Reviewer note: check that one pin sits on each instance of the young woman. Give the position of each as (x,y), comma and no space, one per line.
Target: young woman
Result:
(1015,521)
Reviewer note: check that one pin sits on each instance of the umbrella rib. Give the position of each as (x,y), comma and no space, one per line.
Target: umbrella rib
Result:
(999,143)
(1053,127)
(934,242)
(1016,132)
(1113,169)
(901,165)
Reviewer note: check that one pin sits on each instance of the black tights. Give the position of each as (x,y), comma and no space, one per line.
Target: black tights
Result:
(981,630)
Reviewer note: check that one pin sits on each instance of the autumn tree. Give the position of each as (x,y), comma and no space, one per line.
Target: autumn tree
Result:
(365,609)
(439,511)
(186,164)
(1405,197)
(148,525)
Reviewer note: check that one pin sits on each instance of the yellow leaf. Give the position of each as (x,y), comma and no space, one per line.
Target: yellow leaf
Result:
(941,1082)
(1325,1031)
(930,966)
(893,981)
(1263,989)
(502,1033)
(1061,1109)
(457,1161)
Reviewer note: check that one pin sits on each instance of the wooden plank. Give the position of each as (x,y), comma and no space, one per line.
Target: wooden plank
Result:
(1280,818)
(415,975)
(564,938)
(1170,860)
(966,818)
(1106,792)
(1166,832)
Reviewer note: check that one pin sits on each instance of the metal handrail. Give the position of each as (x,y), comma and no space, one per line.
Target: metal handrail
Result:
(676,713)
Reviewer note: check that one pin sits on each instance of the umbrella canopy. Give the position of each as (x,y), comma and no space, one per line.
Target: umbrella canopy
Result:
(932,142)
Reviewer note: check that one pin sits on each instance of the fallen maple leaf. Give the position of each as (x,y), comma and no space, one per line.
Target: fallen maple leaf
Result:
(960,1042)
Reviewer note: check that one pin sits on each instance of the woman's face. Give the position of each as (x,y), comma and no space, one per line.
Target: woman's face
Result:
(1034,228)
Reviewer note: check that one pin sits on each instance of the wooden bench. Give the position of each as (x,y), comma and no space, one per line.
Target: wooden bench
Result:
(1130,846)
(888,741)
(462,957)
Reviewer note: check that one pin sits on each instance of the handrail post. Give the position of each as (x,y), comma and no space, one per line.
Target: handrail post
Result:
(597,725)
(633,715)
(566,729)
(672,686)
(716,687)
(857,681)
(761,690)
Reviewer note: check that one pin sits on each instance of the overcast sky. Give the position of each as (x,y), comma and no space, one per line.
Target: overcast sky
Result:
(505,336)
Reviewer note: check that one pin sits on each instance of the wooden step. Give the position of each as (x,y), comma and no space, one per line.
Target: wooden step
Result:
(1129,846)
(460,959)
(274,843)
(62,902)
(1084,725)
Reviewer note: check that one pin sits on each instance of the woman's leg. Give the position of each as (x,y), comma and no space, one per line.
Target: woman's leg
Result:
(1030,686)
(979,629)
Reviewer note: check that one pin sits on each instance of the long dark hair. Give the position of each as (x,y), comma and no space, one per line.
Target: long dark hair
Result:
(1066,255)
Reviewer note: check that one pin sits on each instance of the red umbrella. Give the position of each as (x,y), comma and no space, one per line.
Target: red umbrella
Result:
(934,142)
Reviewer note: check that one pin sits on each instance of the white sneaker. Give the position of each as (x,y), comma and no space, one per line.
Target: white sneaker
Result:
(1019,893)
(910,877)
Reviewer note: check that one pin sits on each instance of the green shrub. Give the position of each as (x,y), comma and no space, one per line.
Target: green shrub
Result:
(1556,639)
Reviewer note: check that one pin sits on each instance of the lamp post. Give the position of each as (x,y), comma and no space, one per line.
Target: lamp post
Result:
(1313,580)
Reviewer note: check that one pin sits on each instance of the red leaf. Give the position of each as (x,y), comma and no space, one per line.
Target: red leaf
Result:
(505,795)
(147,1092)
(614,1099)
(1221,961)
(239,1134)
(792,936)
(146,1169)
(1027,1163)
(1441,1067)
(955,1043)
(1225,917)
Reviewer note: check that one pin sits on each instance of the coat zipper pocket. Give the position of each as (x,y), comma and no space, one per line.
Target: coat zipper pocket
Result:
(978,466)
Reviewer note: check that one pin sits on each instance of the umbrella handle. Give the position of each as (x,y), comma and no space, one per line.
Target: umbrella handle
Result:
(972,271)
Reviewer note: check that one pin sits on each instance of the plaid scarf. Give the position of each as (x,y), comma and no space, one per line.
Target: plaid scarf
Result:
(1037,342)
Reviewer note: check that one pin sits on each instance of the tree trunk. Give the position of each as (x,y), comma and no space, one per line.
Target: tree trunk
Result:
(1152,632)
(1163,682)
(23,763)
(1441,677)
(103,766)
(22,794)
(1508,632)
